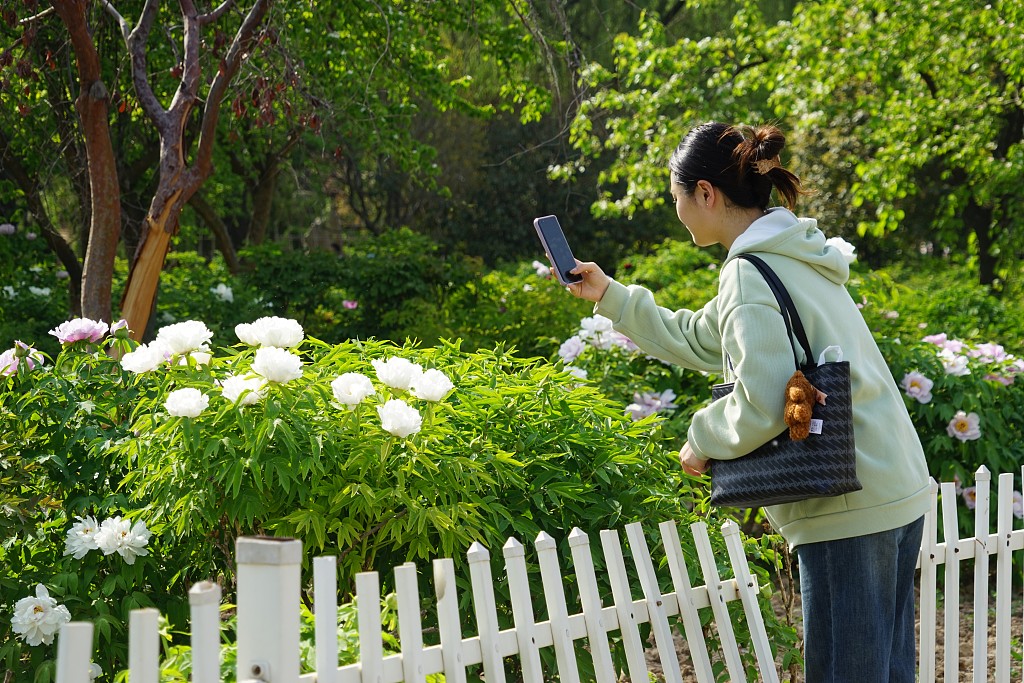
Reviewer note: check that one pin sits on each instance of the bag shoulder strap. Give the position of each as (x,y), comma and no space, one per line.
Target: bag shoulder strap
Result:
(786,306)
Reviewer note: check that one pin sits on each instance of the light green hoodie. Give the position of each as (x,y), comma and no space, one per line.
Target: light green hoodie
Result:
(743,323)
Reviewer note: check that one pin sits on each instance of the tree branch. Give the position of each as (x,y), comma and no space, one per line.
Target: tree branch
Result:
(213,15)
(37,17)
(136,43)
(188,89)
(239,51)
(122,23)
(15,170)
(219,230)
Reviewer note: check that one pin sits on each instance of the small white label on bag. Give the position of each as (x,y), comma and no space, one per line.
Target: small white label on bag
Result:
(816,426)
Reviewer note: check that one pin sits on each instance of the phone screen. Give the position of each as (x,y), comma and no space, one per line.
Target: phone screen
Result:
(557,248)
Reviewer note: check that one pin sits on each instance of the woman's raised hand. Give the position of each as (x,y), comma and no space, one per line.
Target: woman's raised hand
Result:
(594,284)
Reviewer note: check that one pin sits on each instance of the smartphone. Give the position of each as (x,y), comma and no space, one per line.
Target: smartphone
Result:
(557,248)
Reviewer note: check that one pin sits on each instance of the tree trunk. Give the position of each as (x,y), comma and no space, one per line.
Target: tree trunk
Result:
(178,181)
(219,230)
(29,186)
(105,219)
(979,219)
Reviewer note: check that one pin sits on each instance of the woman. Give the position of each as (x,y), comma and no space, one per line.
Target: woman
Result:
(857,552)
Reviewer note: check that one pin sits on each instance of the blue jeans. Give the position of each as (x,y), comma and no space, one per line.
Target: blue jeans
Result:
(858,607)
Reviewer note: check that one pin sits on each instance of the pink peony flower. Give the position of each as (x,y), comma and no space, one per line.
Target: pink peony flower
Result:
(917,386)
(350,304)
(988,353)
(80,329)
(12,358)
(970,495)
(964,426)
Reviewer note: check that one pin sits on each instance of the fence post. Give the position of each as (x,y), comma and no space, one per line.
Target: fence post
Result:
(204,603)
(144,645)
(269,574)
(982,482)
(74,652)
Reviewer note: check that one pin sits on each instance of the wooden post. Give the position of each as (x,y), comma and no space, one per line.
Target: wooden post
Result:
(269,574)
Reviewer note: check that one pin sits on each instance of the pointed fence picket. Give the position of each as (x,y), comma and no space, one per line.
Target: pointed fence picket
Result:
(268,617)
(268,610)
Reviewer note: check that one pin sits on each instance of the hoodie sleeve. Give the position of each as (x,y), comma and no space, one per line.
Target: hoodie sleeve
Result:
(752,414)
(755,339)
(686,338)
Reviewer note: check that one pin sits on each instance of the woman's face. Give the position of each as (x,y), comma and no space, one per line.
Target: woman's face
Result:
(692,215)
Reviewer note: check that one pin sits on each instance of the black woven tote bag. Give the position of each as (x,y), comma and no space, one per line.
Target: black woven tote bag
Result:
(782,470)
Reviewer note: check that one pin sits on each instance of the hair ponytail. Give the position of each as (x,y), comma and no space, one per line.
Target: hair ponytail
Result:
(743,161)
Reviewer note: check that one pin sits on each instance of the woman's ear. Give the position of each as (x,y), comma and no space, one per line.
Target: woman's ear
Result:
(704,193)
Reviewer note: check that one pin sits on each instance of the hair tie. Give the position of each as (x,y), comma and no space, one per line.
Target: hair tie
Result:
(762,166)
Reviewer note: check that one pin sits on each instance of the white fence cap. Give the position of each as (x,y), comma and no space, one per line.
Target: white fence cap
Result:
(268,550)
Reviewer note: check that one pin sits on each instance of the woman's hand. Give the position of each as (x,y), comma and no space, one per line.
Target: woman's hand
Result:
(594,284)
(692,465)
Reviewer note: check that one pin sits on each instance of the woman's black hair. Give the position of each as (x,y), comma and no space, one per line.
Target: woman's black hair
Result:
(742,161)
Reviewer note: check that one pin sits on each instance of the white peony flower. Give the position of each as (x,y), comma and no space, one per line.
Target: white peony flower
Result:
(571,348)
(117,535)
(351,388)
(223,292)
(395,372)
(431,385)
(283,333)
(183,337)
(843,247)
(249,389)
(146,357)
(277,365)
(39,291)
(954,364)
(95,671)
(576,372)
(543,269)
(186,402)
(399,418)
(36,620)
(81,537)
(597,331)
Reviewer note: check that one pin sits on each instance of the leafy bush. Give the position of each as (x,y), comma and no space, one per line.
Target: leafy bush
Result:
(173,439)
(905,303)
(522,306)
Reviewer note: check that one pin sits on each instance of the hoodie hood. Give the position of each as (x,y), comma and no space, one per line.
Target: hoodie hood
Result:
(781,232)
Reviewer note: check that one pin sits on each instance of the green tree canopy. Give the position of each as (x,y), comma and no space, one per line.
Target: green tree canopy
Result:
(916,105)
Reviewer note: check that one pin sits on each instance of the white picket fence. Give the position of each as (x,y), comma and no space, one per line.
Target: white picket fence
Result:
(983,549)
(268,617)
(268,610)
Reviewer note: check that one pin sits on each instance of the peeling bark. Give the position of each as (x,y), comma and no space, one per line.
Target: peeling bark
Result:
(105,219)
(178,182)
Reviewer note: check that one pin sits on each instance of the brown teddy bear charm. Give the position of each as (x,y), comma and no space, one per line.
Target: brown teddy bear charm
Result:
(800,399)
